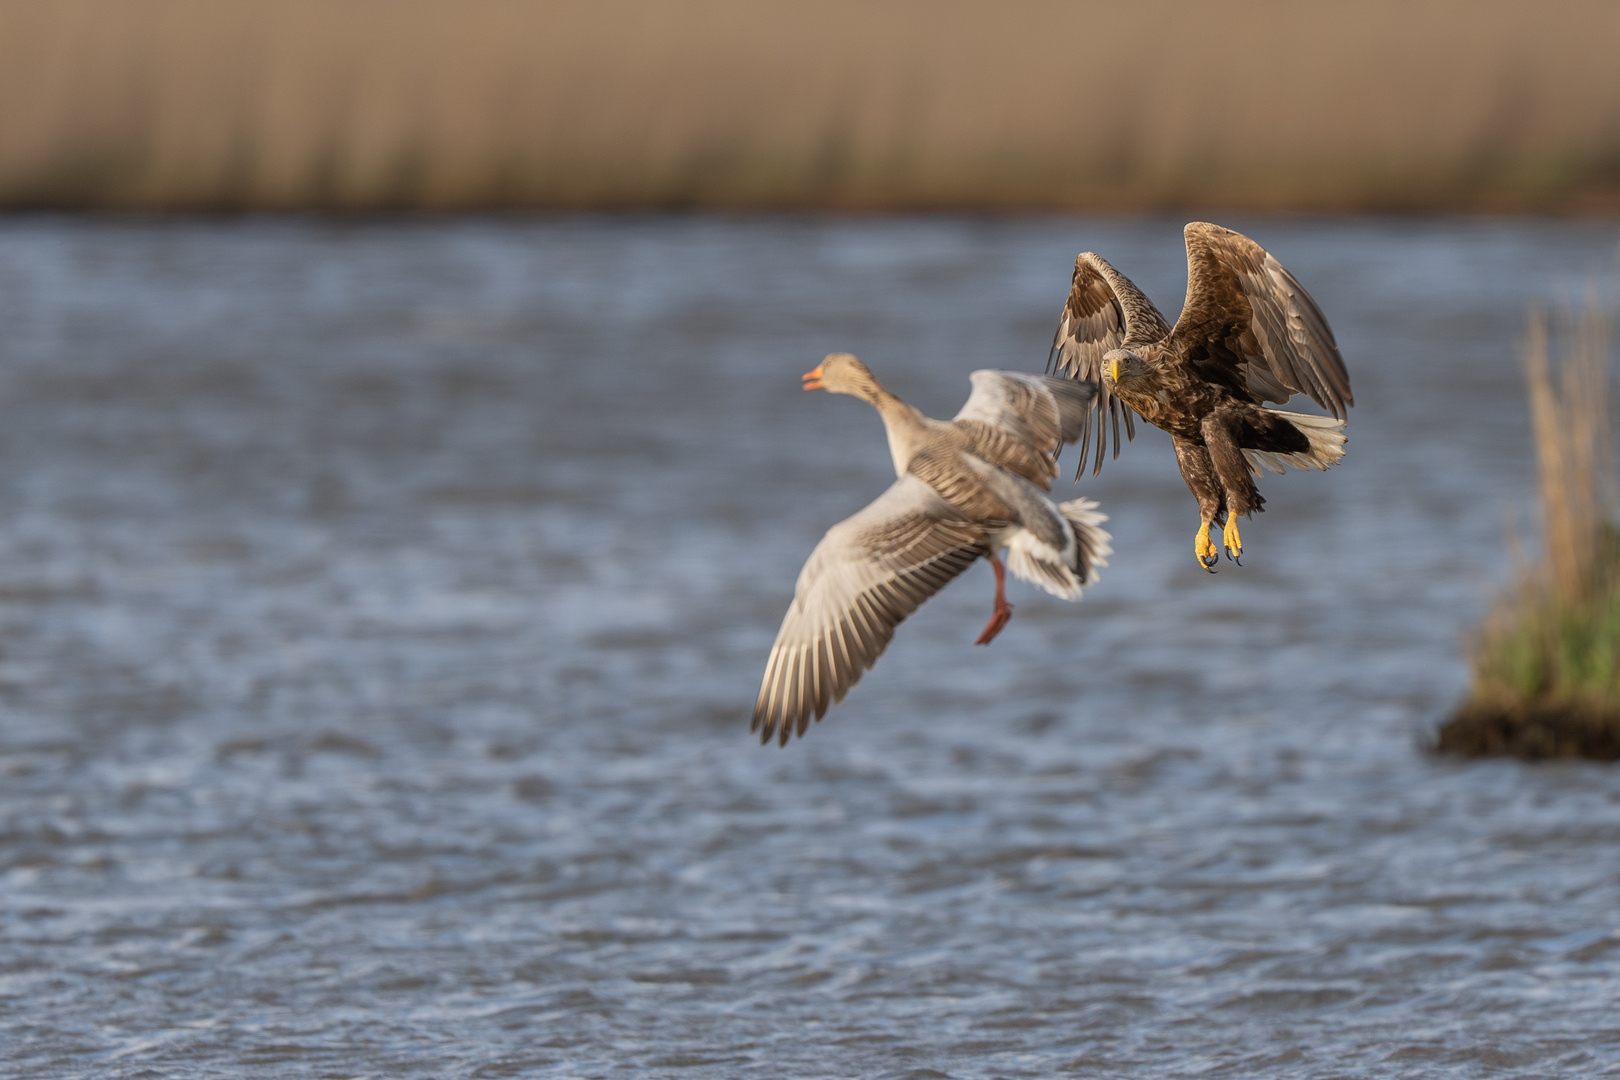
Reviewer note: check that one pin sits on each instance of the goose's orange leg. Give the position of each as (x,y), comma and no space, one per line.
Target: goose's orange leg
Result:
(1003,610)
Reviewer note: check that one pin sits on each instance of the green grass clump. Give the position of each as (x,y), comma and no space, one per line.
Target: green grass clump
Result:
(1547,661)
(1547,675)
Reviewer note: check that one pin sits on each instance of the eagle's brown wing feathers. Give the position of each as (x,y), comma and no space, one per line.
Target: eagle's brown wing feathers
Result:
(1104,311)
(1246,314)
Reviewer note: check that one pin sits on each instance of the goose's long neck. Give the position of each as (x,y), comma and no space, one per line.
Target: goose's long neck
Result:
(905,426)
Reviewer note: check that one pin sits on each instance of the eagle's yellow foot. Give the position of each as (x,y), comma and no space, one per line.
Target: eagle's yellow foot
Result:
(1208,554)
(1234,542)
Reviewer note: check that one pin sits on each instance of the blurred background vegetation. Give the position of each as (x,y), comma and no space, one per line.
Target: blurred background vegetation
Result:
(876,104)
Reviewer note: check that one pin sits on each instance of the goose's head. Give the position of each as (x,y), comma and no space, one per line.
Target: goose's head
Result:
(1123,366)
(841,373)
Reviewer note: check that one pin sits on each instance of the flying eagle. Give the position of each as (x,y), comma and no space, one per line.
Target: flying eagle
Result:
(1248,334)
(967,488)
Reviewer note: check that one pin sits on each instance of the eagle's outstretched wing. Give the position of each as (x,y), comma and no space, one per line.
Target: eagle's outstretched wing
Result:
(866,576)
(1020,421)
(1249,324)
(1104,311)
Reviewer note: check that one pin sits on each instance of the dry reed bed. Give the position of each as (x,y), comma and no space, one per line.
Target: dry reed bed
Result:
(1547,661)
(844,103)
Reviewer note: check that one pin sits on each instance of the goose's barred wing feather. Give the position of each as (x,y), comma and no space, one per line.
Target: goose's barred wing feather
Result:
(1249,323)
(866,576)
(1104,311)
(1020,421)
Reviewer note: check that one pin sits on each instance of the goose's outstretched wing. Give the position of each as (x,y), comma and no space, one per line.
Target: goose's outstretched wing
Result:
(866,576)
(1020,421)
(1249,324)
(1104,311)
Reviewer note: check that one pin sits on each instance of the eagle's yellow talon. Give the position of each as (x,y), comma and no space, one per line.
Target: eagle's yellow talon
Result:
(1229,535)
(1208,554)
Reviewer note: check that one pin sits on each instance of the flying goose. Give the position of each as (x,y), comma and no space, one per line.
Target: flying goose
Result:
(967,488)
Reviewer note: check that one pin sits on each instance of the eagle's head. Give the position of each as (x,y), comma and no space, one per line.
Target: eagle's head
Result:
(1123,366)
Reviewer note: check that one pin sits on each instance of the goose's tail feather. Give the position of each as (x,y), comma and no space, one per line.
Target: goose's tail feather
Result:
(1063,573)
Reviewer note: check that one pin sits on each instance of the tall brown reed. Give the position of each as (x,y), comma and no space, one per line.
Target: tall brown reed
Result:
(884,104)
(1571,425)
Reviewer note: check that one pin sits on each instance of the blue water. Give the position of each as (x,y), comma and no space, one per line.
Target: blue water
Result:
(382,603)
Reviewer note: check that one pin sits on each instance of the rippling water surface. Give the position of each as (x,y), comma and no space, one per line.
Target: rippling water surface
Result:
(381,605)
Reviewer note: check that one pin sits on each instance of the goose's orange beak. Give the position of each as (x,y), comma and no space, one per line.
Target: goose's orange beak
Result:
(812,379)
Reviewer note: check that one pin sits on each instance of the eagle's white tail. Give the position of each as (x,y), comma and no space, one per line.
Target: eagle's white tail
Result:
(1326,437)
(1062,573)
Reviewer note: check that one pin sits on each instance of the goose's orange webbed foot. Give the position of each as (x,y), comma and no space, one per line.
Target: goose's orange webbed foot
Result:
(998,620)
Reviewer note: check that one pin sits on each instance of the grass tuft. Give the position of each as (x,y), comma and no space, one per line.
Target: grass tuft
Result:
(1546,662)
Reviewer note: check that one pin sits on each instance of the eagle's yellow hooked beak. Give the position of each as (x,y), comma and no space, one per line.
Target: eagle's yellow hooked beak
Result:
(812,379)
(1112,367)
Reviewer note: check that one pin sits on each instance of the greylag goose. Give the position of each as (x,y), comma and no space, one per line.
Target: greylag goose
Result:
(967,488)
(1248,334)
